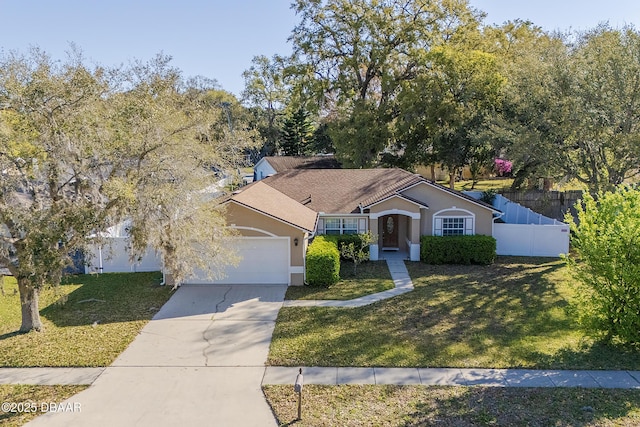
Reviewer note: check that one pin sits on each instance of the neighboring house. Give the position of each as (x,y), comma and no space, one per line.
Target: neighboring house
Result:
(277,216)
(272,165)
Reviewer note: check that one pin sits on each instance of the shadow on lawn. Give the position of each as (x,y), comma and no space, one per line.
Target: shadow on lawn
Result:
(478,406)
(510,314)
(108,298)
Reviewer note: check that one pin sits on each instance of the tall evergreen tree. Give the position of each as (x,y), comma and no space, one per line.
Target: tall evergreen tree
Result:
(297,134)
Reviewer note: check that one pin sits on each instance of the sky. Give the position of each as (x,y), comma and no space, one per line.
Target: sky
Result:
(218,39)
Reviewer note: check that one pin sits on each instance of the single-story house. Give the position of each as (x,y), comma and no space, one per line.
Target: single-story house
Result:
(278,215)
(271,165)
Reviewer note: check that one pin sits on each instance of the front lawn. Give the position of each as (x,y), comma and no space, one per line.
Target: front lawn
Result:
(370,277)
(354,405)
(23,400)
(511,314)
(88,320)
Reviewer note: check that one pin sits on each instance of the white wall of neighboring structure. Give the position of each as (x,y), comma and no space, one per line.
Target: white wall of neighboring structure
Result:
(263,169)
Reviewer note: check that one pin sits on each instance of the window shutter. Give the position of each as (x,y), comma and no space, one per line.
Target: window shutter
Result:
(362,225)
(468,226)
(437,227)
(320,226)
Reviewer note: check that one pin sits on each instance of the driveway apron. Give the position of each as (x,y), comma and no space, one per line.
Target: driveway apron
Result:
(200,361)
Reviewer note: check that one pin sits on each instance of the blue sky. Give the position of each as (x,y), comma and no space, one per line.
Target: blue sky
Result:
(218,39)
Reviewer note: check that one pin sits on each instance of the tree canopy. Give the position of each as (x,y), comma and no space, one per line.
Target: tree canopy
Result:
(83,149)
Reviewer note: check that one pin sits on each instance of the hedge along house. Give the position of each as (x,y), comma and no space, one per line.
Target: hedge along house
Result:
(277,216)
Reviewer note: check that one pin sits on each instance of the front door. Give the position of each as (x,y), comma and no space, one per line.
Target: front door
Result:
(390,231)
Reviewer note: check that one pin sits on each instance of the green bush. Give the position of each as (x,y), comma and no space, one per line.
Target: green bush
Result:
(605,262)
(344,239)
(475,249)
(323,262)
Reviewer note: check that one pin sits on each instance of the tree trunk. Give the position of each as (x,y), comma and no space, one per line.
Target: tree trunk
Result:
(452,180)
(29,303)
(433,172)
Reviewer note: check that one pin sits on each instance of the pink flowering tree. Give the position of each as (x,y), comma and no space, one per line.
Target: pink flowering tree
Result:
(502,166)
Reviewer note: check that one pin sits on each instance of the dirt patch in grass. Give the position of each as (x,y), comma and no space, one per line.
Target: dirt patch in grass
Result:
(353,405)
(26,402)
(512,314)
(88,321)
(370,277)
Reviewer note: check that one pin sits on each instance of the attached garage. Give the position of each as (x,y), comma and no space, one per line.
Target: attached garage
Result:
(265,260)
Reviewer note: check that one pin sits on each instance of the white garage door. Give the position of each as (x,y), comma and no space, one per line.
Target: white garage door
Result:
(265,260)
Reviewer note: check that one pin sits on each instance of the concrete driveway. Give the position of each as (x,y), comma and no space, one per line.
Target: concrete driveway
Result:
(200,361)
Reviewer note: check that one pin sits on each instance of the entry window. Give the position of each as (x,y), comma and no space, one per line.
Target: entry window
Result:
(452,226)
(341,226)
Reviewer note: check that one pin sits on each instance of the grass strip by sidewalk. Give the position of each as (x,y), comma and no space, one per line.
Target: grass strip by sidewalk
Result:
(512,314)
(28,401)
(88,320)
(361,405)
(370,277)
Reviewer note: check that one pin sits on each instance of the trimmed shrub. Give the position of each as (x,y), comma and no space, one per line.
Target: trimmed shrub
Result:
(323,262)
(476,249)
(344,239)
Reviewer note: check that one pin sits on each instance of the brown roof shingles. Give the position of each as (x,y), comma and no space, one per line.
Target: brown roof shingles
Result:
(341,190)
(270,201)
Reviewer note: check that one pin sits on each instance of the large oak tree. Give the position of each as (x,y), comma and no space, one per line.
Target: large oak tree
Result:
(353,57)
(84,148)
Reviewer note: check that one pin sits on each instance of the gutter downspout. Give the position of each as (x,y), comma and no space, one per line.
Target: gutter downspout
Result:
(304,257)
(493,223)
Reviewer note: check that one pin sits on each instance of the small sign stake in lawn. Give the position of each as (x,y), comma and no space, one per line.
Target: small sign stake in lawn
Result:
(297,387)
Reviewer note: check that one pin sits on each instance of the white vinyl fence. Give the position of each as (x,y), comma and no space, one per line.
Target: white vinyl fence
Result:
(527,233)
(531,239)
(114,258)
(113,255)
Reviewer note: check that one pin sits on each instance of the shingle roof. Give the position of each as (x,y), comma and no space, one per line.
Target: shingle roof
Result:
(284,163)
(270,201)
(341,190)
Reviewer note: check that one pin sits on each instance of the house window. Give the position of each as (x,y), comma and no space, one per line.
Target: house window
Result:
(332,226)
(341,226)
(350,226)
(453,222)
(452,226)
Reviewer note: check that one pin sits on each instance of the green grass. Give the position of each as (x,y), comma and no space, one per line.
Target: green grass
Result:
(32,397)
(351,405)
(483,184)
(370,277)
(507,315)
(88,321)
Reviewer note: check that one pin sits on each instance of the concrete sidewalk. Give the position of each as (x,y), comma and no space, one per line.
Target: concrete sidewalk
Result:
(50,376)
(274,375)
(399,274)
(455,377)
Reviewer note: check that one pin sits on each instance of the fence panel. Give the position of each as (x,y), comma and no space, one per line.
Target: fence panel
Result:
(531,240)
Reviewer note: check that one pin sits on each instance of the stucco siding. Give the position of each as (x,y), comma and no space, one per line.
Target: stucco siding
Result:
(244,217)
(396,203)
(439,200)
